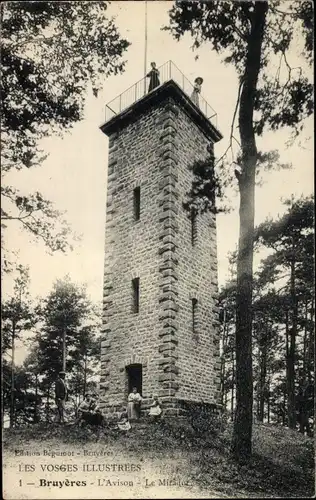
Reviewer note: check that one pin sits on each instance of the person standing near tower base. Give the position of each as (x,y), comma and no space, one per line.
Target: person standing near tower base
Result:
(133,405)
(61,393)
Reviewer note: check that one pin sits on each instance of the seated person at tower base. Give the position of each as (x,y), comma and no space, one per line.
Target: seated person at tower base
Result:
(89,412)
(155,410)
(123,423)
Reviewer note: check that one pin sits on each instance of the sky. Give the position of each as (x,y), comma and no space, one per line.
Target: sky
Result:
(74,175)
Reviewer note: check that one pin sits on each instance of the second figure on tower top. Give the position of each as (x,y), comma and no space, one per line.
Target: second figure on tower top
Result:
(197,90)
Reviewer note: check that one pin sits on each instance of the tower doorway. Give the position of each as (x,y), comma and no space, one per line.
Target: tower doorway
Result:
(134,377)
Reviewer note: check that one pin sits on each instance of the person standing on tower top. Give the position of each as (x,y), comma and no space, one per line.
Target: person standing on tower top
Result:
(154,77)
(197,90)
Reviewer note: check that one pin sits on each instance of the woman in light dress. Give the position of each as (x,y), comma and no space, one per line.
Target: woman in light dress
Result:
(155,409)
(133,405)
(197,90)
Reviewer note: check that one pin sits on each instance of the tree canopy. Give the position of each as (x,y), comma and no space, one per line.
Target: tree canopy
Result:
(282,97)
(52,54)
(64,313)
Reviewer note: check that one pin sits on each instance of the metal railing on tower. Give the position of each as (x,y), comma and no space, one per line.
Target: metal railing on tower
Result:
(168,71)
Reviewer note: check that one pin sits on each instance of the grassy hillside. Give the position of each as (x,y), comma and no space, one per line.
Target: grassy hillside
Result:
(282,463)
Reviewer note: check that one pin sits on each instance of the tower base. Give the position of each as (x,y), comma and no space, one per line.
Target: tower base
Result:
(171,408)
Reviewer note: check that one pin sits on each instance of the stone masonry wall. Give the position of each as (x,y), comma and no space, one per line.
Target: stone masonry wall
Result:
(154,152)
(197,271)
(131,251)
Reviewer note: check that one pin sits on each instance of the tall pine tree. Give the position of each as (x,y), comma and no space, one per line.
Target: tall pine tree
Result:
(247,33)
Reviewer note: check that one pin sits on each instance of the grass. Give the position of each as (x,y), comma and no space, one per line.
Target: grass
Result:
(282,464)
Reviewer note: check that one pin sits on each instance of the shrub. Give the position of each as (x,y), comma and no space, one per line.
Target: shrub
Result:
(205,419)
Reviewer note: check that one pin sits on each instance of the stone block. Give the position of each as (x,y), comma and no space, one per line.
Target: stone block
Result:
(166,393)
(170,338)
(170,377)
(171,384)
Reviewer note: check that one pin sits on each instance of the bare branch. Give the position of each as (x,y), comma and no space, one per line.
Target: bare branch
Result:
(232,125)
(237,30)
(223,155)
(277,11)
(15,218)
(235,113)
(277,75)
(33,231)
(237,141)
(38,39)
(20,217)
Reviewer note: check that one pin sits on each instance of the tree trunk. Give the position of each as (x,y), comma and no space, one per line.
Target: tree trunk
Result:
(85,376)
(244,379)
(305,341)
(225,400)
(12,397)
(284,408)
(287,357)
(36,394)
(257,386)
(2,408)
(311,348)
(47,406)
(242,435)
(291,407)
(64,350)
(268,402)
(223,367)
(233,388)
(262,383)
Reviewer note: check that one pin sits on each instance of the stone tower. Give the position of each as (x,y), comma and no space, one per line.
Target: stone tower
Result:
(160,329)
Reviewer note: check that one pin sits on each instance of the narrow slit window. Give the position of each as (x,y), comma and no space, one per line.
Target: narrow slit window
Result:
(135,286)
(193,228)
(137,203)
(194,313)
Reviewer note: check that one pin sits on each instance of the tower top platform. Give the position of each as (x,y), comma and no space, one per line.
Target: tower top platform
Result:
(173,83)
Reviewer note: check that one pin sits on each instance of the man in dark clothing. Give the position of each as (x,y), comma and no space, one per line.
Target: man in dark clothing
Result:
(61,395)
(305,407)
(154,77)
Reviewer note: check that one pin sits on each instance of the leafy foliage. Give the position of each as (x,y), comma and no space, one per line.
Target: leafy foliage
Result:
(17,315)
(17,318)
(282,99)
(68,310)
(206,187)
(51,53)
(38,216)
(294,226)
(64,311)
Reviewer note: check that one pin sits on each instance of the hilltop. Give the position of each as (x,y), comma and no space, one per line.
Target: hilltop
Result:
(199,466)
